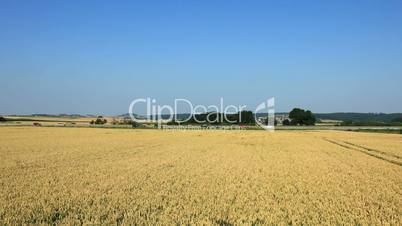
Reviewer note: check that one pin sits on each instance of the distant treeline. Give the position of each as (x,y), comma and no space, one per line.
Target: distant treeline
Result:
(362,117)
(296,117)
(215,118)
(365,119)
(370,123)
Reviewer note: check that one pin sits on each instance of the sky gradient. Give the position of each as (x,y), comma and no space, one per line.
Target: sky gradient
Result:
(94,57)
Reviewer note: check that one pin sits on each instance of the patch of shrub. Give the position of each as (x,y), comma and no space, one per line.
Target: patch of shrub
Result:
(286,122)
(99,121)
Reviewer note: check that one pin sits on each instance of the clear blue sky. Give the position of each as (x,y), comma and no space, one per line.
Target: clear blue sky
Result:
(95,57)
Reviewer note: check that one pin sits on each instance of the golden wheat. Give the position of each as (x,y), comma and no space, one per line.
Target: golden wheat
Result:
(152,177)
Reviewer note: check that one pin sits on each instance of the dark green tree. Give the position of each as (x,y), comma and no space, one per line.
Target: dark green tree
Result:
(135,124)
(246,117)
(100,120)
(286,122)
(300,116)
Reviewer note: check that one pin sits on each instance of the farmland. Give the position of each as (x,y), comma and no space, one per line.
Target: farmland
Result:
(119,176)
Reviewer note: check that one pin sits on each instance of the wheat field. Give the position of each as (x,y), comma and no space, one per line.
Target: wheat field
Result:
(150,177)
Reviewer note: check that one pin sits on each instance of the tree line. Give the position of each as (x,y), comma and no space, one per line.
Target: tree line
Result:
(297,116)
(216,118)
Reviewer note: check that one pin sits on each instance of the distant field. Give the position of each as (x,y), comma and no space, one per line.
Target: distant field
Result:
(51,121)
(153,177)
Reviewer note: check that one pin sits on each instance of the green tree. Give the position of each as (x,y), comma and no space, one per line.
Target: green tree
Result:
(246,117)
(300,116)
(135,124)
(100,120)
